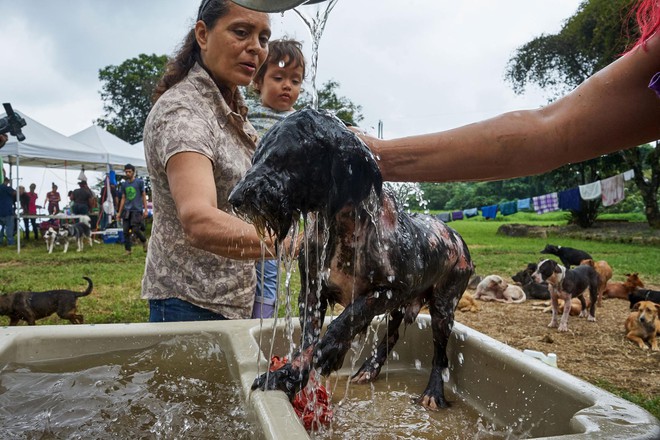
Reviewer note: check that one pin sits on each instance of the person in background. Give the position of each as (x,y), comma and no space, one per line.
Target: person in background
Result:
(53,200)
(7,199)
(616,108)
(278,83)
(198,144)
(82,199)
(28,202)
(3,140)
(133,208)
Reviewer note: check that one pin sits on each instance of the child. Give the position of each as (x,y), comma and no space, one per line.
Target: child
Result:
(278,84)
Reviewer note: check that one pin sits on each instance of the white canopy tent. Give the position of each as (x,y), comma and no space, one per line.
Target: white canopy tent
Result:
(118,151)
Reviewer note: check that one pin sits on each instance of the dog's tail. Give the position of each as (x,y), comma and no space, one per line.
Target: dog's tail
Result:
(90,287)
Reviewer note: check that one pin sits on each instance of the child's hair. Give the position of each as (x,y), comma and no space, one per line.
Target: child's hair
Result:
(282,50)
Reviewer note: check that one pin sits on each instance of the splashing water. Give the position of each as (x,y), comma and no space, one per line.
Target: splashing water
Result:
(405,192)
(315,18)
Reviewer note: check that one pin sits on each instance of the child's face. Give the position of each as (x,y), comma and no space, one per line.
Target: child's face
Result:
(281,86)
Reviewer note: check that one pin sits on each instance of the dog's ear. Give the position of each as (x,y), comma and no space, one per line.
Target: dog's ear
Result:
(557,269)
(636,306)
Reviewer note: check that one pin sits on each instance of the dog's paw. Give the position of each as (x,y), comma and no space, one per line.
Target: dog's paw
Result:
(563,327)
(553,324)
(433,402)
(287,379)
(367,373)
(591,318)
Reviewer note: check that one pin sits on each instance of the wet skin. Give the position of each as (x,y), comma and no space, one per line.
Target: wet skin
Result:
(375,258)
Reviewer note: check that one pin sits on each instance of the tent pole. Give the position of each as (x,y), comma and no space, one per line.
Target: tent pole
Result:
(18,199)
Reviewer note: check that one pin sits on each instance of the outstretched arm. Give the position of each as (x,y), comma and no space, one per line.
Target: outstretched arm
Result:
(612,110)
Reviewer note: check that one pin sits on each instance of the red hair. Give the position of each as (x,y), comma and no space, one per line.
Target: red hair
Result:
(648,19)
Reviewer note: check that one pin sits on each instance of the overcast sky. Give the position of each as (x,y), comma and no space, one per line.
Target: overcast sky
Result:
(417,65)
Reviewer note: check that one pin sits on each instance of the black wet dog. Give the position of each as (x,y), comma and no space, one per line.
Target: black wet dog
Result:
(568,256)
(362,252)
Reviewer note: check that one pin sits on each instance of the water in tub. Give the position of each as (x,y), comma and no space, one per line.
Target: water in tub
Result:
(181,388)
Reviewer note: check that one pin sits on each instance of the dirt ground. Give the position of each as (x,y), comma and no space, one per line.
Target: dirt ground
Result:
(592,351)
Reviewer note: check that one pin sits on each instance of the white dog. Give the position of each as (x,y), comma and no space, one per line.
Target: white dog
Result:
(494,288)
(51,237)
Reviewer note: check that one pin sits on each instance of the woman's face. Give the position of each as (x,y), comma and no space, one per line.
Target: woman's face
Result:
(236,46)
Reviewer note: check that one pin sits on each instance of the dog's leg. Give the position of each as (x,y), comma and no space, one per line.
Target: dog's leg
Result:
(593,295)
(583,305)
(634,337)
(563,324)
(370,369)
(66,246)
(554,297)
(79,242)
(442,305)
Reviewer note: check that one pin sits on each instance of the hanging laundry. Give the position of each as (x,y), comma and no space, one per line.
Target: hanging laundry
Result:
(444,216)
(570,200)
(489,211)
(628,175)
(591,191)
(613,190)
(508,208)
(472,212)
(457,215)
(525,204)
(546,203)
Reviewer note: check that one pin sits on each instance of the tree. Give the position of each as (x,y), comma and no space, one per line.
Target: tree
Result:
(588,41)
(126,92)
(648,187)
(329,100)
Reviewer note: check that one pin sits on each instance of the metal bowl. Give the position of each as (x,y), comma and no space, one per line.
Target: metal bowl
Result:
(273,5)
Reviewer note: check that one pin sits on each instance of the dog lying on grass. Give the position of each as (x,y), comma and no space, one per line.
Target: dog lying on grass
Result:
(361,251)
(643,325)
(31,306)
(494,288)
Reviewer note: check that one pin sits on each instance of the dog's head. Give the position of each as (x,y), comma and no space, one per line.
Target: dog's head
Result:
(648,311)
(550,249)
(307,162)
(634,280)
(50,234)
(549,271)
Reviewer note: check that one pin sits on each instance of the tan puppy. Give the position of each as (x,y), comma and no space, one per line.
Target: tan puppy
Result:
(604,272)
(576,306)
(642,324)
(622,290)
(467,303)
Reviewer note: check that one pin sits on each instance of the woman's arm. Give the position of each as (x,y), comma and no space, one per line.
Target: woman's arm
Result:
(190,176)
(612,110)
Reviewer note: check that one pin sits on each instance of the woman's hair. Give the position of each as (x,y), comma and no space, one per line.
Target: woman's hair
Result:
(647,13)
(282,50)
(210,11)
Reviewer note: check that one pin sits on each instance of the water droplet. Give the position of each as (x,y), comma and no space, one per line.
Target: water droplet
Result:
(445,374)
(281,64)
(418,364)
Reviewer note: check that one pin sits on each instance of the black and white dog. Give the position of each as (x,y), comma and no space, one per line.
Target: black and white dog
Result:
(52,237)
(568,256)
(77,232)
(361,250)
(565,284)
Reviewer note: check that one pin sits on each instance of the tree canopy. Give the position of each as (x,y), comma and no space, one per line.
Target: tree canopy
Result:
(126,93)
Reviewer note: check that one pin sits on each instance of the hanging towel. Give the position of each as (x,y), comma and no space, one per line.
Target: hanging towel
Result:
(457,215)
(591,191)
(508,208)
(612,190)
(472,212)
(570,200)
(445,217)
(489,211)
(628,175)
(525,204)
(546,203)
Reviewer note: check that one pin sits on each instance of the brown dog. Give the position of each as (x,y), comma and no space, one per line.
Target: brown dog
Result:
(604,272)
(642,324)
(467,303)
(30,306)
(622,290)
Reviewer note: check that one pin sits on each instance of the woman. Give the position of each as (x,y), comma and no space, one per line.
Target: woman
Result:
(198,144)
(612,110)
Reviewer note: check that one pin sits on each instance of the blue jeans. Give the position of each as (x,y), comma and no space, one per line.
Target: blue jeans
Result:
(7,228)
(174,310)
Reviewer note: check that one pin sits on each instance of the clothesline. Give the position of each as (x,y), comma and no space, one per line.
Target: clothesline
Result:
(609,190)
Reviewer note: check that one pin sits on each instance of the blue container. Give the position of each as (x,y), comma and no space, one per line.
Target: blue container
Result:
(113,236)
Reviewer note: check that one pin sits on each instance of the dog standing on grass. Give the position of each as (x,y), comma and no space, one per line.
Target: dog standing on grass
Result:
(30,306)
(565,284)
(77,232)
